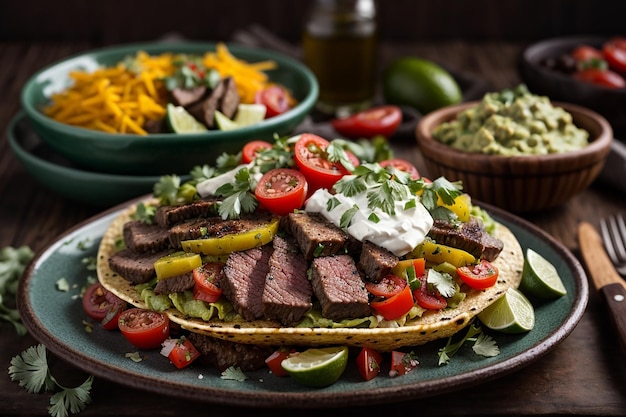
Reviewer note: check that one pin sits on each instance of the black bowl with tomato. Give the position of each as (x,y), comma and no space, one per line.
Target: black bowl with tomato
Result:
(585,70)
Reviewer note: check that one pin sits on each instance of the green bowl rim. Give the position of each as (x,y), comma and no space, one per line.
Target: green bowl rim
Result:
(303,106)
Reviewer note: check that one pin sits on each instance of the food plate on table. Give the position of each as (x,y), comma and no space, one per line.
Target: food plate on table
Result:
(55,318)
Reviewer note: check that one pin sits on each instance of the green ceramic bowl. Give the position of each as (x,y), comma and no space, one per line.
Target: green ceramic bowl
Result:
(62,177)
(158,154)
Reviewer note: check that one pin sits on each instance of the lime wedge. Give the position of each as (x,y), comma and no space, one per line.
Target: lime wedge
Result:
(223,122)
(180,121)
(511,313)
(317,367)
(249,114)
(540,278)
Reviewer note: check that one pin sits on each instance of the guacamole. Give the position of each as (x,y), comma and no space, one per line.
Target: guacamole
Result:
(513,122)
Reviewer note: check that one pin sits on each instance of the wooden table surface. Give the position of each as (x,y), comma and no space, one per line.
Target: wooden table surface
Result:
(584,375)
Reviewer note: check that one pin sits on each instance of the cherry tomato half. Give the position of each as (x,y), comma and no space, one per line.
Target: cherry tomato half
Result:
(368,363)
(109,322)
(98,302)
(207,280)
(144,329)
(615,54)
(425,298)
(275,100)
(282,190)
(381,120)
(480,276)
(250,150)
(604,78)
(387,287)
(395,306)
(586,53)
(276,358)
(312,160)
(183,353)
(401,165)
(402,363)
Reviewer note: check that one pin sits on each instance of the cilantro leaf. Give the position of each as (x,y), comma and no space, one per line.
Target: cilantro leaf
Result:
(73,399)
(238,197)
(486,346)
(337,154)
(346,217)
(166,190)
(12,264)
(443,282)
(234,373)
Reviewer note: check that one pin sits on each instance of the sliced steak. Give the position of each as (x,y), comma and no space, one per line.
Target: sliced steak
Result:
(213,227)
(230,98)
(204,110)
(223,353)
(179,283)
(143,237)
(187,96)
(167,216)
(316,236)
(339,288)
(287,293)
(135,267)
(244,280)
(469,236)
(376,262)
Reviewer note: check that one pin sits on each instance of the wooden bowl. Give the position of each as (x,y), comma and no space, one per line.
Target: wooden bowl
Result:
(518,184)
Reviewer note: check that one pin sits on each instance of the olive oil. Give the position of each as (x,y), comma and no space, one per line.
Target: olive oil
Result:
(339,45)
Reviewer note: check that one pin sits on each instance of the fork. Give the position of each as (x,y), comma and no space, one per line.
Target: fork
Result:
(613,231)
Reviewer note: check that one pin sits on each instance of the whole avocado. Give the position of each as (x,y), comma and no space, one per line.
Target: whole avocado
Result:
(421,84)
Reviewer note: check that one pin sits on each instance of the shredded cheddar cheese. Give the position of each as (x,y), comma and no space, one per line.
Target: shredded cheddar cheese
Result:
(122,98)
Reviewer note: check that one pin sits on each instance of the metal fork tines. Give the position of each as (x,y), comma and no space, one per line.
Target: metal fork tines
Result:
(614,237)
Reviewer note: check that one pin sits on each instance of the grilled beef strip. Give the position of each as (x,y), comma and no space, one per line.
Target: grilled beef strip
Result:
(339,288)
(376,262)
(167,216)
(244,280)
(187,96)
(143,237)
(178,283)
(316,236)
(223,353)
(136,267)
(287,293)
(470,236)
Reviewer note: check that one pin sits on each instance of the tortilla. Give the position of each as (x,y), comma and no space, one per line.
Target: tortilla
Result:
(431,326)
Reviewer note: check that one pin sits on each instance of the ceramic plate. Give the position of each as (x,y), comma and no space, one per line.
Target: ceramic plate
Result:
(61,176)
(55,318)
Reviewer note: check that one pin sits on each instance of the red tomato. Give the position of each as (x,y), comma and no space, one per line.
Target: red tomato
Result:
(250,150)
(402,363)
(605,78)
(480,276)
(207,278)
(368,363)
(615,54)
(183,353)
(586,53)
(387,287)
(282,190)
(401,165)
(98,302)
(382,120)
(312,161)
(109,322)
(430,300)
(395,306)
(275,100)
(145,329)
(275,359)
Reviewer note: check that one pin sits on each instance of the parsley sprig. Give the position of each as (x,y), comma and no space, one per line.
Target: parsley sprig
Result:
(31,371)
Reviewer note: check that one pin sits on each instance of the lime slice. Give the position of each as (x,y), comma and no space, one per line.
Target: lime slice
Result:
(223,122)
(317,367)
(540,278)
(511,313)
(180,121)
(249,114)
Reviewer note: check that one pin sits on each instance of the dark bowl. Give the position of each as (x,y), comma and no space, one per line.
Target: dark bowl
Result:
(610,103)
(167,153)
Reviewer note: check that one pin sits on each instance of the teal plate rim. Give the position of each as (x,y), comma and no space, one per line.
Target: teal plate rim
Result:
(55,318)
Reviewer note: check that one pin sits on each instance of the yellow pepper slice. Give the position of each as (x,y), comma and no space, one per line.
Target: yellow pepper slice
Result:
(235,242)
(437,253)
(177,263)
(461,206)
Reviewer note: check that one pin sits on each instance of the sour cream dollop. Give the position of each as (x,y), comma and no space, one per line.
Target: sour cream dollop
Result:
(399,233)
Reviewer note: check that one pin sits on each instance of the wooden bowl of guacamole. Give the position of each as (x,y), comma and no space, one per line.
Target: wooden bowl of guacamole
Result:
(518,152)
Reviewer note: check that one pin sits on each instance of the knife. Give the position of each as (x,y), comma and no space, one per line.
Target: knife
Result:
(608,283)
